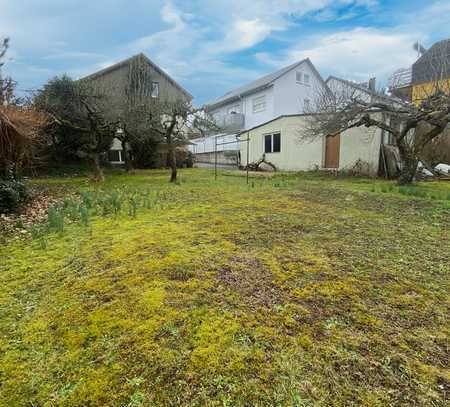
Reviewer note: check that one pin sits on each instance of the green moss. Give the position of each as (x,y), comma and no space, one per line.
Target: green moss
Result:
(214,293)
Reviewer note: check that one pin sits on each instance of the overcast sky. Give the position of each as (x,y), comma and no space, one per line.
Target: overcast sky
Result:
(212,46)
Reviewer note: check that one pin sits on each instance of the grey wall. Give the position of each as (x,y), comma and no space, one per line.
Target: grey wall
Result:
(116,81)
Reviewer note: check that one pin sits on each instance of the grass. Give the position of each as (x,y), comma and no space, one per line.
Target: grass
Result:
(296,290)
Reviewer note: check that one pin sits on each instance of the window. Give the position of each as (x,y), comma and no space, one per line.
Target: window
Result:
(272,143)
(306,79)
(234,109)
(307,106)
(259,104)
(301,77)
(115,156)
(155,89)
(268,143)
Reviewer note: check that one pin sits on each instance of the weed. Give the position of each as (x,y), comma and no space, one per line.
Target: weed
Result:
(55,219)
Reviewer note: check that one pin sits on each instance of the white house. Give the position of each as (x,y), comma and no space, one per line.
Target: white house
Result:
(281,141)
(290,90)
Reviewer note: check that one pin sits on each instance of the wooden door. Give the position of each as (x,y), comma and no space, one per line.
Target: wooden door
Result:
(332,150)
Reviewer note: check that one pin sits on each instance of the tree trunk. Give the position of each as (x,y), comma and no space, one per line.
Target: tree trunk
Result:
(97,172)
(409,162)
(126,158)
(172,162)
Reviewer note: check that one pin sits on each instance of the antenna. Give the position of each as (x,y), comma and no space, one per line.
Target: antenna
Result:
(417,46)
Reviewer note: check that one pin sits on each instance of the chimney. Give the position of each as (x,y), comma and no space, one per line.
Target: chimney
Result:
(372,84)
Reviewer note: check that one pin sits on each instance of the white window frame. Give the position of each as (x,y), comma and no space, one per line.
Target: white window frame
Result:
(298,76)
(155,90)
(271,134)
(306,79)
(259,104)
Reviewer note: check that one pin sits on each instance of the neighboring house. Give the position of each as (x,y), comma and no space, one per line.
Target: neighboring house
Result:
(281,141)
(290,90)
(117,82)
(400,84)
(431,71)
(344,90)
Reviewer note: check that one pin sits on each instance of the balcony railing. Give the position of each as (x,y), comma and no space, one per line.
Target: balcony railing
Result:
(400,78)
(231,122)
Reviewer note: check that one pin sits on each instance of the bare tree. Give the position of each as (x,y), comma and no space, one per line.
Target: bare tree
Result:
(412,126)
(78,111)
(7,84)
(173,122)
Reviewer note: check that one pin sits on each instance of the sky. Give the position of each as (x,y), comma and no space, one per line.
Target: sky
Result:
(213,46)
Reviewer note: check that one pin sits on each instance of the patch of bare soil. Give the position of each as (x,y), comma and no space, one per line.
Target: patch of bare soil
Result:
(251,281)
(34,211)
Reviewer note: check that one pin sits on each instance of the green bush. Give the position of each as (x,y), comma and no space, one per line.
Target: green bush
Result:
(12,194)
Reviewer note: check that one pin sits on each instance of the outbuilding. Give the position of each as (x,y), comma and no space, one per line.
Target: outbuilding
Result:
(283,142)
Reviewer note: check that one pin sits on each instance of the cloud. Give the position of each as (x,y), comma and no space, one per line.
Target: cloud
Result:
(74,55)
(245,34)
(359,53)
(213,46)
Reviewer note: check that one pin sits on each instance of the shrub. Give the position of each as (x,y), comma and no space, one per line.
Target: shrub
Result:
(12,194)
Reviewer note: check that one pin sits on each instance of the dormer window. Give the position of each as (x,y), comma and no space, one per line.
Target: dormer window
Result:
(298,76)
(155,89)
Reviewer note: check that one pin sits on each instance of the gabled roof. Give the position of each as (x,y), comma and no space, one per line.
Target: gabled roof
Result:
(362,88)
(148,61)
(258,84)
(353,85)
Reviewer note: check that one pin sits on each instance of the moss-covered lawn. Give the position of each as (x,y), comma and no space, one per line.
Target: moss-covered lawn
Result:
(295,291)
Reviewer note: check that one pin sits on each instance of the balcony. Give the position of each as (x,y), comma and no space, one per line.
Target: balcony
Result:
(231,122)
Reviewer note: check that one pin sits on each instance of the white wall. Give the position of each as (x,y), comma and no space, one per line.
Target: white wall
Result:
(254,119)
(116,144)
(295,155)
(289,95)
(359,144)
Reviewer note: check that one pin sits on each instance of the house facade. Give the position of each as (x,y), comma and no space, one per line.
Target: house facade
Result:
(290,90)
(283,142)
(344,90)
(119,82)
(431,72)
